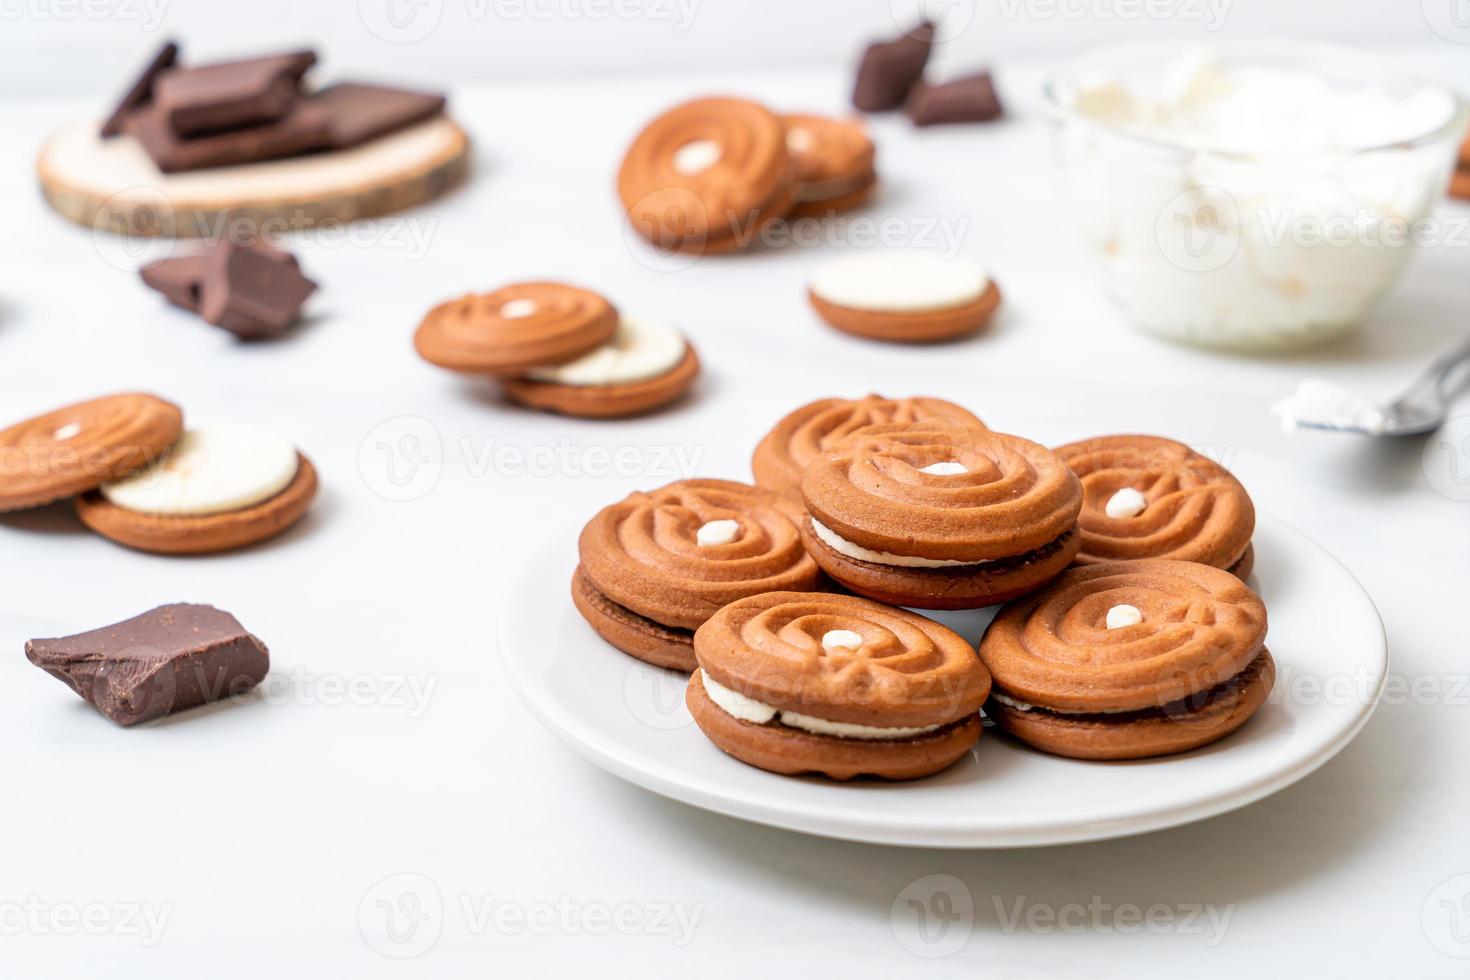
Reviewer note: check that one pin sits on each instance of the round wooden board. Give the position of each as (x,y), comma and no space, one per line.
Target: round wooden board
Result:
(113,185)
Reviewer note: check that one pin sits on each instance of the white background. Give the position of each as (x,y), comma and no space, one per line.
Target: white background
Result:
(261,829)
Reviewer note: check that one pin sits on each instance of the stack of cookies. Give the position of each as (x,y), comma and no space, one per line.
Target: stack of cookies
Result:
(714,174)
(560,348)
(1127,630)
(139,478)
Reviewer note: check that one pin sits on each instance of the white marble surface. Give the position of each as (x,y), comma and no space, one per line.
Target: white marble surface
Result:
(260,830)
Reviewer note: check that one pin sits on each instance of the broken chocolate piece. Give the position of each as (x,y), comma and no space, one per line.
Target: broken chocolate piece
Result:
(231,94)
(969,99)
(364,112)
(251,294)
(141,91)
(889,69)
(303,129)
(179,278)
(168,659)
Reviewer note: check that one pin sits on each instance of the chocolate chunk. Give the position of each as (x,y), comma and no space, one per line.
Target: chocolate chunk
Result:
(251,294)
(171,658)
(890,69)
(141,92)
(179,278)
(231,94)
(304,129)
(969,99)
(364,112)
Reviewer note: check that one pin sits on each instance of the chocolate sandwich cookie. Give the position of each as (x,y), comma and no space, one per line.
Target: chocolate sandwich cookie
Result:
(166,660)
(77,448)
(1150,497)
(708,176)
(216,489)
(646,365)
(657,565)
(516,329)
(834,163)
(940,515)
(1126,660)
(814,683)
(908,297)
(815,428)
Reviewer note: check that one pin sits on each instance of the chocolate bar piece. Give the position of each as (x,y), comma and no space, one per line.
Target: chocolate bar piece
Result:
(304,129)
(141,92)
(251,294)
(180,277)
(171,658)
(889,69)
(231,94)
(969,99)
(362,112)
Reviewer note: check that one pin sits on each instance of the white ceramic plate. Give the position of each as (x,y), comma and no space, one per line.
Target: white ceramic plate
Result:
(629,718)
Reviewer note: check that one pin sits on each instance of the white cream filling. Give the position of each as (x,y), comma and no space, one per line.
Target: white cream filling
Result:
(1124,615)
(211,470)
(696,157)
(642,348)
(748,709)
(843,546)
(899,282)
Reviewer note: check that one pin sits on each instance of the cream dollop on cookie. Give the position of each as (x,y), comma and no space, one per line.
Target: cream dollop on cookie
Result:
(209,471)
(1124,615)
(717,532)
(841,639)
(1127,502)
(899,282)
